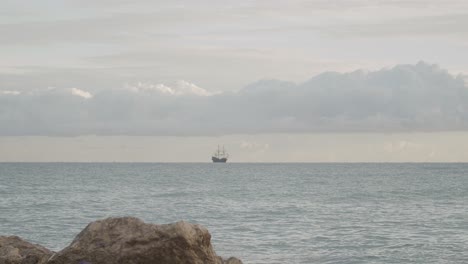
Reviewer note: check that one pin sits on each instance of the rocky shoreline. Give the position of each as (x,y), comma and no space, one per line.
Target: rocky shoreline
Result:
(125,240)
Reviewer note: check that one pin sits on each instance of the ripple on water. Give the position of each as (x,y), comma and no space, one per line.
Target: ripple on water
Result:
(262,213)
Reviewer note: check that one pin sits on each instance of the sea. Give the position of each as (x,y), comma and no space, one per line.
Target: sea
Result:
(260,213)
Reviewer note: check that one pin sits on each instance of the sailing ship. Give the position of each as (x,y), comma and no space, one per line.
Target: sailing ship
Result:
(220,156)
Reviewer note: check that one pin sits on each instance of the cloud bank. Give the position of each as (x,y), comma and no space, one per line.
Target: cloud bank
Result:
(404,98)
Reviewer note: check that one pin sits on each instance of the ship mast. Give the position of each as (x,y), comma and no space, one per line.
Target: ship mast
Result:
(220,153)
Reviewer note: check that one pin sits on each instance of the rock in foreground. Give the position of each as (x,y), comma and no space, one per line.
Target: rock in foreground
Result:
(131,241)
(14,250)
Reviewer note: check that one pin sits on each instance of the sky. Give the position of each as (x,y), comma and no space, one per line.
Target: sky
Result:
(273,81)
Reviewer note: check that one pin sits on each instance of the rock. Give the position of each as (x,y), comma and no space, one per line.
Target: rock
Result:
(131,241)
(14,250)
(232,260)
(121,240)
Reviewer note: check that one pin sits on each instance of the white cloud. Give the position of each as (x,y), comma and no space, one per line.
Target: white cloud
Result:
(8,92)
(184,87)
(404,98)
(254,146)
(81,93)
(149,87)
(181,87)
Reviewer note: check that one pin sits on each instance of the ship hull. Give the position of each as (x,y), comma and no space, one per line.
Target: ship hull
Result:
(218,160)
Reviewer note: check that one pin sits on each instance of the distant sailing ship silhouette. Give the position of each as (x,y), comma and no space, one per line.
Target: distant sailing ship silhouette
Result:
(220,156)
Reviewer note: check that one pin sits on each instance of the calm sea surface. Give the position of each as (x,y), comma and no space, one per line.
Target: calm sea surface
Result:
(261,213)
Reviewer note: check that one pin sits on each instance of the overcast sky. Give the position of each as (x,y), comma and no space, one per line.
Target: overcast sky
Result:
(273,80)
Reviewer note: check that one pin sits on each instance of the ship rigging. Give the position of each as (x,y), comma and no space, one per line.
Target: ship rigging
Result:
(220,156)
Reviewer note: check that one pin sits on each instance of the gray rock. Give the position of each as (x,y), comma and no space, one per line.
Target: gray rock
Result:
(14,250)
(131,241)
(232,260)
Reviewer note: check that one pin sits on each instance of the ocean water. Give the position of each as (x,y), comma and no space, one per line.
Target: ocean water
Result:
(261,213)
